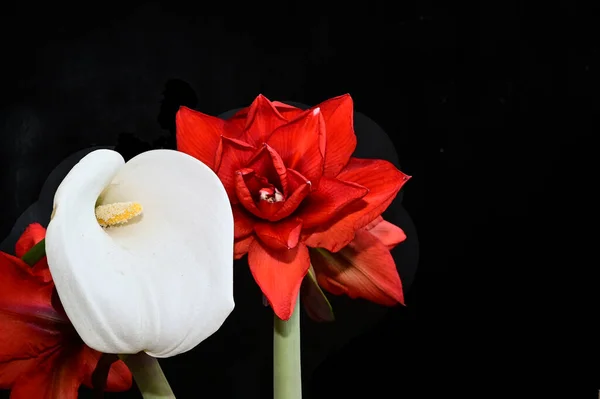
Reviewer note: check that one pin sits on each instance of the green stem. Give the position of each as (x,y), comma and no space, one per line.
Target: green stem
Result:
(287,374)
(148,375)
(37,252)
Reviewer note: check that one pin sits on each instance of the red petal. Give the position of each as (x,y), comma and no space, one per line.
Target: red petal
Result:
(119,377)
(41,270)
(232,155)
(279,274)
(247,182)
(300,188)
(243,178)
(199,134)
(262,119)
(26,312)
(374,222)
(280,235)
(244,222)
(268,164)
(242,246)
(299,144)
(332,195)
(12,370)
(338,114)
(59,376)
(389,234)
(33,234)
(382,179)
(363,269)
(296,180)
(254,181)
(288,111)
(238,120)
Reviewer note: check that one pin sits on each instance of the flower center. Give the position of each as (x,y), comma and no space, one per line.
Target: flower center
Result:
(270,194)
(117,213)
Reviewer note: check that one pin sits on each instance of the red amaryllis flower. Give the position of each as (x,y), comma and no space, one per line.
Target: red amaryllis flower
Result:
(293,184)
(41,355)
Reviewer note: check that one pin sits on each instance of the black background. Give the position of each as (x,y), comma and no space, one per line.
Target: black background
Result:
(484,106)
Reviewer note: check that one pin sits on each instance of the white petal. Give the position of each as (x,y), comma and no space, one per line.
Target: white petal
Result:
(161,284)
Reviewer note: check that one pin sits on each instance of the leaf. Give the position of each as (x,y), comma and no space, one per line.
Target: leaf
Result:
(315,302)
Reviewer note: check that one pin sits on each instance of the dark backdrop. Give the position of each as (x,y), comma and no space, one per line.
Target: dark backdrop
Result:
(482,104)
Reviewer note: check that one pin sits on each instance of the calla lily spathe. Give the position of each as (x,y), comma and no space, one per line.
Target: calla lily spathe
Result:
(161,283)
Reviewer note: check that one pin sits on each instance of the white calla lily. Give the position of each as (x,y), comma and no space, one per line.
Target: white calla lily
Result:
(161,283)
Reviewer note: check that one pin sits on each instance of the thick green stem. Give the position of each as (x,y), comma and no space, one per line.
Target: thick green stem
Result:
(37,252)
(287,374)
(148,375)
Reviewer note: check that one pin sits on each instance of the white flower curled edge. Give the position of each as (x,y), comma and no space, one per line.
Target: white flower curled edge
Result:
(160,283)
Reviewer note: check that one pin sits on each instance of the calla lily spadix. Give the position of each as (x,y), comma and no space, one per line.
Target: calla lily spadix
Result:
(159,283)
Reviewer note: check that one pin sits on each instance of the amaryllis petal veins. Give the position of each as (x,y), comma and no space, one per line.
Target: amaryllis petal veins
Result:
(302,169)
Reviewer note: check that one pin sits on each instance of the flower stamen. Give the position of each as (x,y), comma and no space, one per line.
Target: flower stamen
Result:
(270,194)
(117,213)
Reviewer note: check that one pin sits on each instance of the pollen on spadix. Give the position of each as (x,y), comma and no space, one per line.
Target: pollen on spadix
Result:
(117,213)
